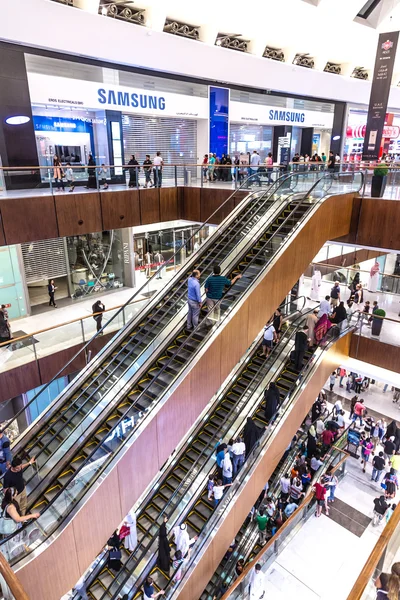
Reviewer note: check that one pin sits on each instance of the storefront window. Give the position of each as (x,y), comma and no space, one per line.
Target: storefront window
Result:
(12,291)
(71,135)
(246,138)
(95,263)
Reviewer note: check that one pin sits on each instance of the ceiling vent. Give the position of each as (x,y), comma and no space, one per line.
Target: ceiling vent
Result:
(187,31)
(360,73)
(124,11)
(274,54)
(304,60)
(333,68)
(233,42)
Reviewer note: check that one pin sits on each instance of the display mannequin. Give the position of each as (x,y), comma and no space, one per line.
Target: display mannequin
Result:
(148,259)
(315,285)
(159,260)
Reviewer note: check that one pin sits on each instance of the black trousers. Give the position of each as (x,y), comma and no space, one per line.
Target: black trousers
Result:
(98,321)
(299,355)
(52,302)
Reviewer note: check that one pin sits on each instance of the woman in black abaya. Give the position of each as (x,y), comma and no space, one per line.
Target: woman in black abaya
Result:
(271,397)
(164,559)
(251,435)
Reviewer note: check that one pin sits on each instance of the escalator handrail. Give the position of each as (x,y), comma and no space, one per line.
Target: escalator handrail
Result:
(137,292)
(123,416)
(79,407)
(151,382)
(138,560)
(157,522)
(306,501)
(216,516)
(279,184)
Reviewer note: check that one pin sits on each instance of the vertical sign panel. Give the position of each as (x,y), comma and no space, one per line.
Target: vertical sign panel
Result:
(219,120)
(383,71)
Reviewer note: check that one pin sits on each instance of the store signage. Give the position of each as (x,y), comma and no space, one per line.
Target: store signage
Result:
(75,93)
(389,131)
(383,71)
(241,112)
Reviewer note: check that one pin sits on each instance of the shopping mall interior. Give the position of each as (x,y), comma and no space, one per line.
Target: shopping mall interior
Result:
(199,300)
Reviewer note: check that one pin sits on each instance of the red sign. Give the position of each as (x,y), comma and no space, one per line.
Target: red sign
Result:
(389,131)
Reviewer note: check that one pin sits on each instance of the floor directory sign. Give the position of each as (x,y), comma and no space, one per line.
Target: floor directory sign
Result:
(383,71)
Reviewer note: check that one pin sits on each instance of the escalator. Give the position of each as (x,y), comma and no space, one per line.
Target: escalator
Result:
(246,243)
(181,493)
(247,539)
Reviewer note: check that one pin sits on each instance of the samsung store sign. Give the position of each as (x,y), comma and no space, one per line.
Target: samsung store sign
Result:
(240,112)
(61,91)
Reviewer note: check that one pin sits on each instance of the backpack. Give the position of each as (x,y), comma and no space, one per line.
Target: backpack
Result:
(7,525)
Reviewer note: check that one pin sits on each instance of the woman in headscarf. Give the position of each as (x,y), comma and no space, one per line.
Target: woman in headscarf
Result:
(311,442)
(114,556)
(164,557)
(130,542)
(321,328)
(311,321)
(355,282)
(373,277)
(251,435)
(271,397)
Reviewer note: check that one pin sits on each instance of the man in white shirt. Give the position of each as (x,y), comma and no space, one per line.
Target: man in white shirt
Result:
(285,486)
(158,165)
(255,161)
(324,307)
(257,583)
(238,451)
(268,340)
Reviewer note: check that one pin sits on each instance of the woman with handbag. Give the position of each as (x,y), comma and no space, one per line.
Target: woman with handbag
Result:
(11,516)
(115,554)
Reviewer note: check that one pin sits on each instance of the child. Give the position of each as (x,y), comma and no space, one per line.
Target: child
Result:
(366,309)
(102,173)
(389,512)
(177,565)
(210,486)
(70,177)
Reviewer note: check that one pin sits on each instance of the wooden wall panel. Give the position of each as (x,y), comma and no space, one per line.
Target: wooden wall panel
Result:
(248,493)
(43,578)
(19,380)
(191,204)
(351,236)
(169,204)
(104,505)
(50,365)
(28,219)
(234,340)
(378,224)
(149,205)
(239,195)
(78,213)
(206,376)
(210,200)
(137,468)
(375,352)
(120,209)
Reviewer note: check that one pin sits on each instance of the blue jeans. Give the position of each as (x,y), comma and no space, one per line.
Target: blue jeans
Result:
(238,462)
(193,314)
(376,475)
(226,480)
(332,489)
(256,178)
(355,417)
(157,177)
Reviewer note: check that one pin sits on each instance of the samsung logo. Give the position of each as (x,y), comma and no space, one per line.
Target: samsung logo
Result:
(134,100)
(286,115)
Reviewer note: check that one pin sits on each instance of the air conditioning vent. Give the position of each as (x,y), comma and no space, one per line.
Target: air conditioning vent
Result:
(333,68)
(274,54)
(187,31)
(125,12)
(304,60)
(231,42)
(360,73)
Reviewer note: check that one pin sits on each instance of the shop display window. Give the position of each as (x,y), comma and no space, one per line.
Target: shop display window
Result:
(95,263)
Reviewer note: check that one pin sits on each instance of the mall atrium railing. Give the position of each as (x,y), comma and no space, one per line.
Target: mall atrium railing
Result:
(386,284)
(381,560)
(50,179)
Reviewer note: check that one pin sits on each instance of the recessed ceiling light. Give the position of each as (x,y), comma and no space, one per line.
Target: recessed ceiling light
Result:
(17,120)
(336,137)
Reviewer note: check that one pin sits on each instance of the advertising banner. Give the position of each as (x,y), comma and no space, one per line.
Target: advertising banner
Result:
(75,93)
(382,78)
(242,112)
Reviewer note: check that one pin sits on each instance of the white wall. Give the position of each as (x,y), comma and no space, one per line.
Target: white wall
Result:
(50,25)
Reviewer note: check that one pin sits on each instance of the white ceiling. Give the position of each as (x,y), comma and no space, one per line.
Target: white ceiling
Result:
(328,30)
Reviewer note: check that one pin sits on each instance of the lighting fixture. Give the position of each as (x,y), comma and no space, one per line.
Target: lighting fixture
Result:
(17,120)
